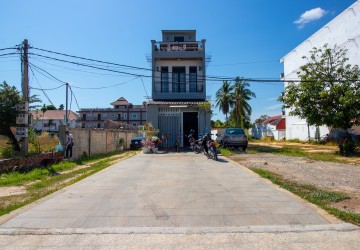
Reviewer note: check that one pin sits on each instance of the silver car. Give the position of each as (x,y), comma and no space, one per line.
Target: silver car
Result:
(232,137)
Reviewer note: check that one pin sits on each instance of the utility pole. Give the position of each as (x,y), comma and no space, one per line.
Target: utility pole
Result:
(66,108)
(24,111)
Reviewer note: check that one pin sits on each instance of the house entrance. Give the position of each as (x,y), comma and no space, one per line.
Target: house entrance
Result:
(190,121)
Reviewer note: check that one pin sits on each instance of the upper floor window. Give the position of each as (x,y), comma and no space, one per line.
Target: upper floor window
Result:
(134,116)
(164,79)
(178,39)
(178,79)
(193,78)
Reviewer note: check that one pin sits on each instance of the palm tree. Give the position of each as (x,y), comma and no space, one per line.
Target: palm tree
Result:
(241,96)
(224,98)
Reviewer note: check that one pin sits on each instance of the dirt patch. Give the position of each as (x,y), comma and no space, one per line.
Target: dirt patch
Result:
(13,190)
(327,175)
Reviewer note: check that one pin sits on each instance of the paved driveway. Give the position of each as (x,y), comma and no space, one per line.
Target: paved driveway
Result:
(171,193)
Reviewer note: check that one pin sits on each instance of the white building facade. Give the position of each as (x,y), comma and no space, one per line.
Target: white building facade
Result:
(344,31)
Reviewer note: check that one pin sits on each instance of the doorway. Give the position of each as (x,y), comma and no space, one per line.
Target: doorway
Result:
(190,121)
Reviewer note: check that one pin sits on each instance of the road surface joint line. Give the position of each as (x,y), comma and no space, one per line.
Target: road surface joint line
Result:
(180,230)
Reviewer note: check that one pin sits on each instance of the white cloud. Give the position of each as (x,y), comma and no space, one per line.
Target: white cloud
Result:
(275,106)
(310,16)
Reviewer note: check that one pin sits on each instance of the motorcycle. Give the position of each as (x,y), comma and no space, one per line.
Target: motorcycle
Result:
(195,145)
(212,150)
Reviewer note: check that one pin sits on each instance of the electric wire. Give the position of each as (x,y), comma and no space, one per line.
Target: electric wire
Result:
(90,66)
(92,60)
(72,69)
(106,87)
(147,95)
(41,86)
(47,73)
(74,97)
(140,68)
(8,54)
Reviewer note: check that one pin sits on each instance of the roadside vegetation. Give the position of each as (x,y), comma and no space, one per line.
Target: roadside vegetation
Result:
(313,194)
(41,182)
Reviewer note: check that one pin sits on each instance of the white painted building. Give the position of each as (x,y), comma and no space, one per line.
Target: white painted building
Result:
(343,30)
(273,127)
(51,119)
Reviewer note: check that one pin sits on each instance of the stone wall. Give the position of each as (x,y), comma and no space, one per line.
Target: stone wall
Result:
(98,141)
(25,163)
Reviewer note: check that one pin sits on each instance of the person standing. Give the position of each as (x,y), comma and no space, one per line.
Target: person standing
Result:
(69,144)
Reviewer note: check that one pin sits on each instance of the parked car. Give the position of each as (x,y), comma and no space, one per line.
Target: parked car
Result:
(232,137)
(136,142)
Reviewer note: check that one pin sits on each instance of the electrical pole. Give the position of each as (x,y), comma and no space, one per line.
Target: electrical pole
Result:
(66,108)
(25,91)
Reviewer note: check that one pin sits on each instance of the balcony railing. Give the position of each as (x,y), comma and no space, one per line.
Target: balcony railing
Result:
(178,46)
(178,88)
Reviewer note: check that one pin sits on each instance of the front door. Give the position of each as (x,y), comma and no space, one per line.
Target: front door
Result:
(190,121)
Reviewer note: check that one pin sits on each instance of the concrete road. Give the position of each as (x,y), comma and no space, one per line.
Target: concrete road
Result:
(175,200)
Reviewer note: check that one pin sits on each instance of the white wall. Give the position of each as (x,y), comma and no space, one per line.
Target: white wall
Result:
(344,30)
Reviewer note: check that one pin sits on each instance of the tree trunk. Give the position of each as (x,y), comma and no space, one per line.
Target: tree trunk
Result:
(7,132)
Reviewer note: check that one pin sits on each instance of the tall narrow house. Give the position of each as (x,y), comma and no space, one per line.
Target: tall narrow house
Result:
(179,85)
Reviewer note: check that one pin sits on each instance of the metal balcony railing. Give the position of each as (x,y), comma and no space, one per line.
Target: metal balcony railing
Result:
(178,46)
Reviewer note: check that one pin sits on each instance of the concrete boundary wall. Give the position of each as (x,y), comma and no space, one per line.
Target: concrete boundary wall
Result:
(98,141)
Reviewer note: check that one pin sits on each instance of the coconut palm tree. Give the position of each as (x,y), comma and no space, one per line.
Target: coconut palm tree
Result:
(224,98)
(241,96)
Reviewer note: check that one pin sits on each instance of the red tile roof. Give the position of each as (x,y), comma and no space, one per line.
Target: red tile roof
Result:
(120,102)
(272,120)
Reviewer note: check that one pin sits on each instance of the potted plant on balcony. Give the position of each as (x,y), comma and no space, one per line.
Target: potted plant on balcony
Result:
(121,143)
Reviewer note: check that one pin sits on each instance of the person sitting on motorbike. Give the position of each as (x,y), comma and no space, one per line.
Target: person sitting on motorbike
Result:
(206,139)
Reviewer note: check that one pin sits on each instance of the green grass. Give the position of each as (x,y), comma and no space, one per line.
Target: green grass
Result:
(226,152)
(311,193)
(18,178)
(296,152)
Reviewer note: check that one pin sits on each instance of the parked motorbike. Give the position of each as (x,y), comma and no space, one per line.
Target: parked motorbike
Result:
(212,150)
(194,144)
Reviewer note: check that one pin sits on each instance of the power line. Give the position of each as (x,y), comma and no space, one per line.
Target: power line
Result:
(90,66)
(8,48)
(8,54)
(144,87)
(74,98)
(41,87)
(92,60)
(72,69)
(106,87)
(47,73)
(242,63)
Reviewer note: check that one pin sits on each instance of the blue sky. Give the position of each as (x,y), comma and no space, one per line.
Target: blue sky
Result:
(245,38)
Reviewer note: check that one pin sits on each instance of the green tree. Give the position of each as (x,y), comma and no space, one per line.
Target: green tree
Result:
(32,102)
(241,95)
(261,119)
(329,91)
(61,107)
(224,98)
(9,97)
(50,107)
